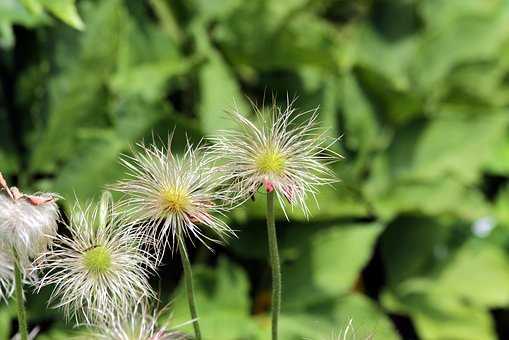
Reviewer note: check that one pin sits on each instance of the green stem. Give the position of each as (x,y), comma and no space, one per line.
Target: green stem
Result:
(274,263)
(188,277)
(18,285)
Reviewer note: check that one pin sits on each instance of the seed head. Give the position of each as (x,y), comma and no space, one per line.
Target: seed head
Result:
(27,222)
(138,324)
(100,268)
(283,151)
(173,197)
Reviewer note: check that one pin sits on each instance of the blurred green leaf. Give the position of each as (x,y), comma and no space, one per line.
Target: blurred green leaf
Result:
(361,126)
(8,156)
(502,206)
(499,162)
(390,59)
(433,197)
(215,100)
(65,10)
(222,294)
(489,286)
(447,145)
(352,312)
(439,317)
(448,42)
(15,12)
(299,37)
(324,262)
(411,247)
(77,96)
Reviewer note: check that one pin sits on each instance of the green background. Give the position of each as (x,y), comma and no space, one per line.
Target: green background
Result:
(419,90)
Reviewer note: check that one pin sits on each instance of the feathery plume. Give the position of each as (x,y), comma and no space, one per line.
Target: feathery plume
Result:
(6,275)
(285,151)
(140,324)
(27,222)
(99,267)
(173,197)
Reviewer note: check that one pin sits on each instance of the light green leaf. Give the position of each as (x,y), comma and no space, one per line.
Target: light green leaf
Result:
(442,317)
(324,262)
(353,316)
(434,197)
(502,206)
(449,40)
(367,319)
(361,126)
(499,162)
(66,11)
(133,82)
(285,37)
(6,35)
(215,99)
(459,145)
(389,59)
(222,295)
(489,286)
(8,155)
(77,97)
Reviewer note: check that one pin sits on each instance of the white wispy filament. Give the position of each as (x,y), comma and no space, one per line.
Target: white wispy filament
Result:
(284,151)
(6,275)
(26,226)
(138,324)
(100,268)
(173,197)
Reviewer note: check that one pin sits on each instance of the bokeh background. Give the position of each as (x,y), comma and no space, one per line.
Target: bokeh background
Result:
(412,244)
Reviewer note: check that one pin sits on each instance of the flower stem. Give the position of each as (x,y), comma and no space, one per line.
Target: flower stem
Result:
(18,283)
(274,263)
(188,277)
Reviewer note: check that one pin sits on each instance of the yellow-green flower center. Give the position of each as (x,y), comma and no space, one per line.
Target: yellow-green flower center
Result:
(270,162)
(97,260)
(175,200)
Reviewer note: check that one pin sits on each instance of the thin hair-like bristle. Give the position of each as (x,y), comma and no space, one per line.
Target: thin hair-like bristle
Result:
(82,294)
(151,173)
(141,323)
(295,136)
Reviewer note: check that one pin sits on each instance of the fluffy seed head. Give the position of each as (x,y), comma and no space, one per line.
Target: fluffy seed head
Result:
(284,151)
(100,268)
(26,226)
(173,197)
(138,324)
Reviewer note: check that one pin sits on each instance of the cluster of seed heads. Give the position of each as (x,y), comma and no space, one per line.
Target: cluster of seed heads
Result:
(100,270)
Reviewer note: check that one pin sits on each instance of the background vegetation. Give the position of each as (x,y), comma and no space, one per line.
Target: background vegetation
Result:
(412,244)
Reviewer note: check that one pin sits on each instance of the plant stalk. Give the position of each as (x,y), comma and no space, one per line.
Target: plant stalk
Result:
(274,263)
(188,277)
(20,305)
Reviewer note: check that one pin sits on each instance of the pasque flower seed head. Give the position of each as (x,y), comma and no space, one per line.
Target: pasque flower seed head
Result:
(27,222)
(283,151)
(174,197)
(138,324)
(100,268)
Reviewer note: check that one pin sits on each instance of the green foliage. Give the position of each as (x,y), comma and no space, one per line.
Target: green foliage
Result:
(33,13)
(417,89)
